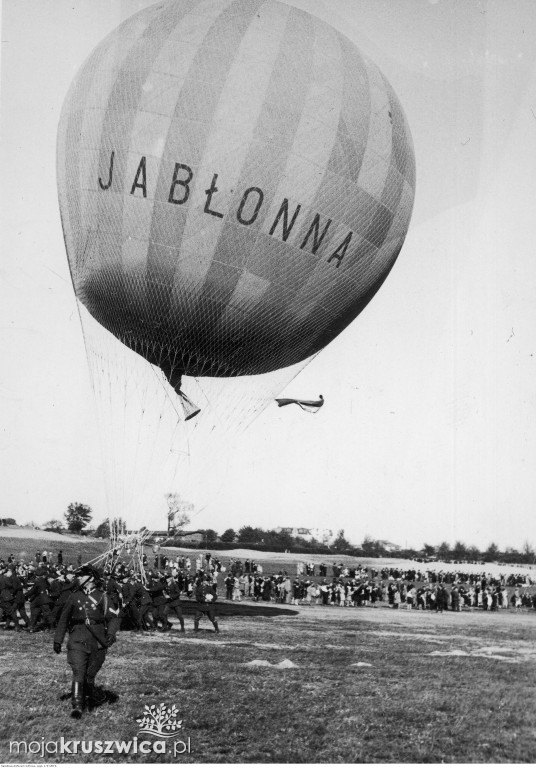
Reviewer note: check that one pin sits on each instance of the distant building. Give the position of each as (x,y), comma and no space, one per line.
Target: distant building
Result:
(186,537)
(389,546)
(191,537)
(323,535)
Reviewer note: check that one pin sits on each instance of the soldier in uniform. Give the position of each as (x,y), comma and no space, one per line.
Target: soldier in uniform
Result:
(40,600)
(205,595)
(174,600)
(64,586)
(92,625)
(146,609)
(7,598)
(156,587)
(131,598)
(19,602)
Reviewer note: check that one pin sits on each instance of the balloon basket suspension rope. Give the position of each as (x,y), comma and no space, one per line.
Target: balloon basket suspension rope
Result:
(126,548)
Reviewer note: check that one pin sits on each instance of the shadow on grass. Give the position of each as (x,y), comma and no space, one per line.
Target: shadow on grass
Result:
(108,697)
(240,609)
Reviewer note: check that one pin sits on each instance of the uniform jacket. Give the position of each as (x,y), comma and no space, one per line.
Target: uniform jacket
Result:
(90,620)
(64,590)
(174,593)
(145,597)
(156,588)
(204,589)
(132,593)
(38,594)
(54,590)
(17,589)
(7,592)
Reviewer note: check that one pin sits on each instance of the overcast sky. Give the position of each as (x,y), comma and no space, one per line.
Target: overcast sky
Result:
(428,431)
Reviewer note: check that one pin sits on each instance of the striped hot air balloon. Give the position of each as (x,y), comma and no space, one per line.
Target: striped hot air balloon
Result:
(236,181)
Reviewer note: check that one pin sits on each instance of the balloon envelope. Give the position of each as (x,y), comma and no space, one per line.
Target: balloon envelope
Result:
(236,181)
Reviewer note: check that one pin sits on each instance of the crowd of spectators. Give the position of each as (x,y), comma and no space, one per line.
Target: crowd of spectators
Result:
(355,586)
(43,585)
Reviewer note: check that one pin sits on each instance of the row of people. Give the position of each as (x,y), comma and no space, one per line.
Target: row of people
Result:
(281,589)
(208,562)
(145,601)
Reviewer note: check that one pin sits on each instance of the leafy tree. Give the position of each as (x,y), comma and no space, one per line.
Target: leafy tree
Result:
(249,535)
(118,526)
(229,535)
(511,555)
(473,553)
(78,516)
(103,530)
(459,551)
(280,538)
(428,550)
(529,555)
(370,547)
(492,553)
(54,525)
(177,517)
(443,551)
(340,542)
(211,536)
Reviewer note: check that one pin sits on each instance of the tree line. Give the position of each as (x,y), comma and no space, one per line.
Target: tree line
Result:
(259,538)
(78,516)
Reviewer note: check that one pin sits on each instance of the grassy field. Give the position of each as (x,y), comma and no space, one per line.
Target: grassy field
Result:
(289,684)
(26,547)
(364,685)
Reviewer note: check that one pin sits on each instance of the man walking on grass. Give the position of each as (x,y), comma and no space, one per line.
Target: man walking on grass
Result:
(92,624)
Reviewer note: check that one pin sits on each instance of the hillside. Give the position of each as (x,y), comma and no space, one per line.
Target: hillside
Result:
(23,543)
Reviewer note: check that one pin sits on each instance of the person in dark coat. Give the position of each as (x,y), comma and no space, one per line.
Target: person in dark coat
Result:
(18,600)
(442,597)
(146,609)
(206,596)
(92,625)
(131,600)
(112,589)
(267,589)
(39,597)
(64,586)
(229,582)
(156,587)
(7,598)
(174,604)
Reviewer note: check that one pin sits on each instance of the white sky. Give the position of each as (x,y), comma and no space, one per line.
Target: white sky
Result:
(428,431)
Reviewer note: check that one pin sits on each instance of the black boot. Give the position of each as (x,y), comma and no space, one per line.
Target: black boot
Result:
(196,625)
(216,628)
(77,698)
